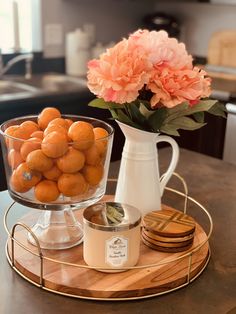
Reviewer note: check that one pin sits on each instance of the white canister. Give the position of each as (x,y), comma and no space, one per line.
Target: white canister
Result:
(77,52)
(111,236)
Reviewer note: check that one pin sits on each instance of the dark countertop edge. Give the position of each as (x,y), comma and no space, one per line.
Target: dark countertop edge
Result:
(45,96)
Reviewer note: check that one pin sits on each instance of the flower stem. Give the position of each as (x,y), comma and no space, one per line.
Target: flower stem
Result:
(127,111)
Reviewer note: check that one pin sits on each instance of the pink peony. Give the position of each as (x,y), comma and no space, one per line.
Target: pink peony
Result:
(162,51)
(119,74)
(149,60)
(172,87)
(147,71)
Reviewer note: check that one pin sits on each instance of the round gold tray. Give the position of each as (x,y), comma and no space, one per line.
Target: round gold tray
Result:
(65,272)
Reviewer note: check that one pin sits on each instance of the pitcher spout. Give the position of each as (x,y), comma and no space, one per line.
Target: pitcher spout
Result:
(137,135)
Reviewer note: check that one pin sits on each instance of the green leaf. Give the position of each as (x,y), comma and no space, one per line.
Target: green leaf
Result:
(113,113)
(199,116)
(218,110)
(183,110)
(203,105)
(145,103)
(144,110)
(98,103)
(136,115)
(170,129)
(186,123)
(179,108)
(156,119)
(122,117)
(175,112)
(102,104)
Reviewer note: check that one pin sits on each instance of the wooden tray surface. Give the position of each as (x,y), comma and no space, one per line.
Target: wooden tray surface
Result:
(92,284)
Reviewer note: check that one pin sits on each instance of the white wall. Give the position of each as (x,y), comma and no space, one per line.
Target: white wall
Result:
(113,18)
(199,21)
(116,18)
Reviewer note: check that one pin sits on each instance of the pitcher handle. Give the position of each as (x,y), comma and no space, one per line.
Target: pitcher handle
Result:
(174,160)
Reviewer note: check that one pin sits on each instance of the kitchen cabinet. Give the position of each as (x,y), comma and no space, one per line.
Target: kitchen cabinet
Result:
(208,140)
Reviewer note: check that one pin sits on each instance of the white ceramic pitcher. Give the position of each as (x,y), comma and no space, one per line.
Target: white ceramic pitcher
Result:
(139,181)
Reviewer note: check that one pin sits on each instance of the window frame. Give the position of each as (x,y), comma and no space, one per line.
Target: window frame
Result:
(36,31)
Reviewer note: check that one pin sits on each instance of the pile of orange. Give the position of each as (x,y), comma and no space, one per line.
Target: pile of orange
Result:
(56,156)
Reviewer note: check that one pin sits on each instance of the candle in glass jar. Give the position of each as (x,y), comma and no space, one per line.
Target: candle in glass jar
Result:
(111,236)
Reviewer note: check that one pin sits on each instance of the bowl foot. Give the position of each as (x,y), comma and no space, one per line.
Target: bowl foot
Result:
(57,230)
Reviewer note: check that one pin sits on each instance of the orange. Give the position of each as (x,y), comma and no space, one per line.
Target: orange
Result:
(81,134)
(11,129)
(101,135)
(29,127)
(37,160)
(55,128)
(30,145)
(38,134)
(69,122)
(24,178)
(46,191)
(72,161)
(61,122)
(47,115)
(92,174)
(14,158)
(54,145)
(53,173)
(17,184)
(72,184)
(92,156)
(19,135)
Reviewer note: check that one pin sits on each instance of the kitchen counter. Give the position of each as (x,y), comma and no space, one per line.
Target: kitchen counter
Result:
(226,85)
(210,181)
(223,82)
(68,94)
(46,87)
(56,85)
(223,87)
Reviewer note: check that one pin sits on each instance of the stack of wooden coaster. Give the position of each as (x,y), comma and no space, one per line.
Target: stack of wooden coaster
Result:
(168,230)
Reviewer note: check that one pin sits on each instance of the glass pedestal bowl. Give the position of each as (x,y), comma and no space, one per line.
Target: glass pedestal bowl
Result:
(56,175)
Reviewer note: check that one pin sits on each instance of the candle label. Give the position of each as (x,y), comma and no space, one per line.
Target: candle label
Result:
(116,251)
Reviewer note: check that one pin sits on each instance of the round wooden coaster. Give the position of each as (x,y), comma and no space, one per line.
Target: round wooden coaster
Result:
(166,244)
(167,239)
(165,249)
(169,222)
